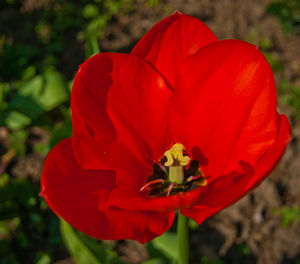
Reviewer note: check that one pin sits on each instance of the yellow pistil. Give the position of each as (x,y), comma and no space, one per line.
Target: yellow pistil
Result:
(175,161)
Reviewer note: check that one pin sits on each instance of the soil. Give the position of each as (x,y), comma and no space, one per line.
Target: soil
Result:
(250,223)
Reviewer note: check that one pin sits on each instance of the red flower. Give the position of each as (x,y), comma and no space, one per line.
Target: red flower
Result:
(180,85)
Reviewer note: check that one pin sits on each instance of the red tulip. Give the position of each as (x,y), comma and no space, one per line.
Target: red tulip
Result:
(121,176)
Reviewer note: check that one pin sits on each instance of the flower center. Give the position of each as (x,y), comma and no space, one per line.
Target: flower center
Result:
(172,174)
(176,161)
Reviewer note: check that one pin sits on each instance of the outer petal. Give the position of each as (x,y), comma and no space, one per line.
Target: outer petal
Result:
(79,196)
(119,113)
(74,193)
(172,40)
(218,196)
(224,107)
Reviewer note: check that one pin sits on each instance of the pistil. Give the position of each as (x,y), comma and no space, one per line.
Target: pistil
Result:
(176,161)
(176,174)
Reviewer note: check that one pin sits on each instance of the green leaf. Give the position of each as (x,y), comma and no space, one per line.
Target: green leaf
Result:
(43,258)
(76,247)
(25,105)
(16,120)
(85,249)
(154,261)
(48,90)
(60,133)
(167,243)
(17,141)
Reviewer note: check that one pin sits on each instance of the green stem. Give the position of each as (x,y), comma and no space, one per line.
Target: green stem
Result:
(183,239)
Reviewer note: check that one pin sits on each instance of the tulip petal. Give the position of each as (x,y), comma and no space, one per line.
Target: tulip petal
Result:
(79,196)
(130,200)
(74,193)
(219,197)
(139,225)
(119,113)
(224,106)
(170,41)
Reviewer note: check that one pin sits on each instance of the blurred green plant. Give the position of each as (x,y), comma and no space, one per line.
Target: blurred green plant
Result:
(85,249)
(35,91)
(25,223)
(288,215)
(289,94)
(288,13)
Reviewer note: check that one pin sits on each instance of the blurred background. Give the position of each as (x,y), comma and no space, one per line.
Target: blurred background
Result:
(42,43)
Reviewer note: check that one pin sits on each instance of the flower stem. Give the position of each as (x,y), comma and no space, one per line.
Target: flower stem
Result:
(183,239)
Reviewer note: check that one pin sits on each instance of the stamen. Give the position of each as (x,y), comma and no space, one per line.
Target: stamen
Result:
(150,183)
(170,188)
(158,163)
(192,178)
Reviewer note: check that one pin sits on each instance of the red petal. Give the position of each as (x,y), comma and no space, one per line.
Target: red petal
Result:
(138,225)
(221,195)
(119,113)
(134,200)
(224,107)
(74,193)
(171,40)
(79,196)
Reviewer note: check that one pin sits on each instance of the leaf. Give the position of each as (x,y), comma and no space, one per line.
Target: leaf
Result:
(25,105)
(43,258)
(167,243)
(16,120)
(154,261)
(88,248)
(76,247)
(60,133)
(48,90)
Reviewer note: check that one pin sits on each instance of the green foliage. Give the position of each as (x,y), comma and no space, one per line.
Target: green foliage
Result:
(274,63)
(290,95)
(163,249)
(47,90)
(288,13)
(205,260)
(24,223)
(168,244)
(153,3)
(84,249)
(288,215)
(35,92)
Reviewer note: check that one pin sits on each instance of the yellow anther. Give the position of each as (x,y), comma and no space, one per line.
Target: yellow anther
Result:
(169,157)
(175,156)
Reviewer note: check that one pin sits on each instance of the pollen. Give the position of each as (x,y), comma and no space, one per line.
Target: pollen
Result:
(175,156)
